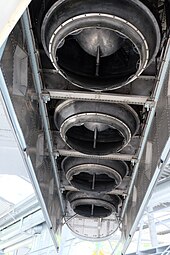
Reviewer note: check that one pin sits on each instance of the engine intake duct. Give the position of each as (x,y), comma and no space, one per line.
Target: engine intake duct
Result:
(95,128)
(94,175)
(100,45)
(95,206)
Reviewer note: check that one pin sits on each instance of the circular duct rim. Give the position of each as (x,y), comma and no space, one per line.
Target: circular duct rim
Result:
(107,170)
(106,119)
(54,45)
(93,206)
(122,125)
(53,41)
(81,205)
(98,175)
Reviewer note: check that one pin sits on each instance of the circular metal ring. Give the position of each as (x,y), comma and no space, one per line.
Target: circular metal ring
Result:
(72,36)
(95,128)
(94,175)
(96,206)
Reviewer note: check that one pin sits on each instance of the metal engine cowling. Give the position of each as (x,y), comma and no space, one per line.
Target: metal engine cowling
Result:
(94,175)
(95,206)
(100,45)
(95,128)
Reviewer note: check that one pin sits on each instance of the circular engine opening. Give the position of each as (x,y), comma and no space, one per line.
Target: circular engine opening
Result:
(93,182)
(94,127)
(100,142)
(95,206)
(100,46)
(89,62)
(92,211)
(94,175)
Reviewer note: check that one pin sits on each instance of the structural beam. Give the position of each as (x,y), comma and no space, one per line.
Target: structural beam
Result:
(165,154)
(152,227)
(114,156)
(43,109)
(96,96)
(160,84)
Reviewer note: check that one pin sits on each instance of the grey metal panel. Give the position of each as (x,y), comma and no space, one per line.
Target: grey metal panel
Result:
(158,136)
(27,112)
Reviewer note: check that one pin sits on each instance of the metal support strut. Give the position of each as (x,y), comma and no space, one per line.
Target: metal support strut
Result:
(43,109)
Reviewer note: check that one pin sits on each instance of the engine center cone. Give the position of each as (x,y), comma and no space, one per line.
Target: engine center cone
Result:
(94,39)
